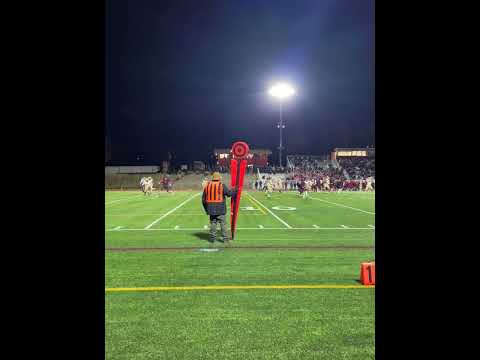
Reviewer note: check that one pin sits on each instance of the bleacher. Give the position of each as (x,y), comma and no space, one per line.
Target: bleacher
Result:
(341,169)
(308,162)
(358,168)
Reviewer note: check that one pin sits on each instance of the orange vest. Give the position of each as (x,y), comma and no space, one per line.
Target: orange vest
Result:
(214,192)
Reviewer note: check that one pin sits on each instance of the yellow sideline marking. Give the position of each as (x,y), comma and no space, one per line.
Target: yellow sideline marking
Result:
(237,287)
(256,207)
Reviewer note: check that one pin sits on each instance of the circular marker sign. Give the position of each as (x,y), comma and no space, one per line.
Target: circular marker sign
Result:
(284,208)
(240,149)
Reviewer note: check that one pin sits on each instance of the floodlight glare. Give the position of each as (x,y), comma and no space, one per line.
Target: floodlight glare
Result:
(281,91)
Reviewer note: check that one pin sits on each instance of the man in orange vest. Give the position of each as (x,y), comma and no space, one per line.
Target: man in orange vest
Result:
(213,200)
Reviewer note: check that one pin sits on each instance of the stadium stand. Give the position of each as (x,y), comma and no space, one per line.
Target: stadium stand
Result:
(358,168)
(307,162)
(347,170)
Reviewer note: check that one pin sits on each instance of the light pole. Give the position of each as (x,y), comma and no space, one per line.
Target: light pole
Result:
(281,92)
(280,126)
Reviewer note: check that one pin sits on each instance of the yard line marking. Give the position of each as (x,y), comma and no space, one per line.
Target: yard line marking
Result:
(251,228)
(371,226)
(115,201)
(123,197)
(261,226)
(349,207)
(316,226)
(133,214)
(111,202)
(263,211)
(236,287)
(283,222)
(171,211)
(246,247)
(150,214)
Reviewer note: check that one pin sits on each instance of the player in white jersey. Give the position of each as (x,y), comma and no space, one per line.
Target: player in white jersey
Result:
(269,188)
(279,185)
(142,184)
(369,184)
(308,187)
(151,184)
(148,186)
(326,183)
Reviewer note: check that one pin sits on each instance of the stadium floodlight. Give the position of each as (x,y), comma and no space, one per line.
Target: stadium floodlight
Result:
(281,92)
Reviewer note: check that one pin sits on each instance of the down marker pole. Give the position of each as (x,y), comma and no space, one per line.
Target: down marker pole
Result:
(238,166)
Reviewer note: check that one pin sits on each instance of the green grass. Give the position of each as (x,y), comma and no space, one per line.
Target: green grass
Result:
(239,324)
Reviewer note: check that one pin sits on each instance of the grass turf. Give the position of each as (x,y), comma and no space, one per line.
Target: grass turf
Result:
(239,324)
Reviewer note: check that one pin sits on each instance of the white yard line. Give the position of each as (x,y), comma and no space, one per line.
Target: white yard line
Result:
(171,211)
(131,214)
(345,206)
(115,201)
(311,239)
(150,214)
(251,228)
(111,202)
(276,217)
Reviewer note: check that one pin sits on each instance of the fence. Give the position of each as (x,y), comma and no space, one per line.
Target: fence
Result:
(131,169)
(180,181)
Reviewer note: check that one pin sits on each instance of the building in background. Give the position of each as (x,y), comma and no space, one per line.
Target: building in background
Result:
(338,153)
(257,158)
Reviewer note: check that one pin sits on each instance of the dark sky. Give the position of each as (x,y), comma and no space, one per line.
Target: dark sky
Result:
(189,76)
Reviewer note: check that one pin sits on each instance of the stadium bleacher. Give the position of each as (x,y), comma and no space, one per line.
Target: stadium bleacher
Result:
(358,168)
(345,173)
(307,162)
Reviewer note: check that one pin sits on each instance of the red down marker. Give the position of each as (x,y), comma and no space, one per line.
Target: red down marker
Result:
(238,166)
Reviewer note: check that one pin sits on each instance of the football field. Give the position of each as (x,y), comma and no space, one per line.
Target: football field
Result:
(286,287)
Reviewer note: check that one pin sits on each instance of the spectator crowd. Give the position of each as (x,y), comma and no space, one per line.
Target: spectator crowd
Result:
(351,175)
(358,168)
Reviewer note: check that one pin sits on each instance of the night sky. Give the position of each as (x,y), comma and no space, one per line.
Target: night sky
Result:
(191,76)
